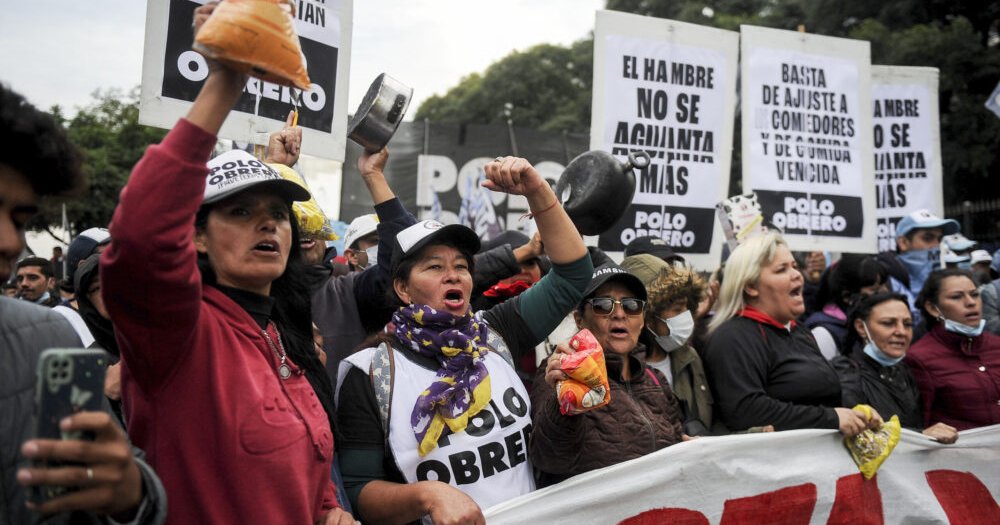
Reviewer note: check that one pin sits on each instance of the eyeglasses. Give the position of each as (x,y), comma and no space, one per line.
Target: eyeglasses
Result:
(606,305)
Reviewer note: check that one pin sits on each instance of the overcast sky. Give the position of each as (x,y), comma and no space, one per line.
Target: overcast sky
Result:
(59,51)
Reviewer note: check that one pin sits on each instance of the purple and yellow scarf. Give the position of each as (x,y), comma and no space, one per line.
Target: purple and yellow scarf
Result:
(462,385)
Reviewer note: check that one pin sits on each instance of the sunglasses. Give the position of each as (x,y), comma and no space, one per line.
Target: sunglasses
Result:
(606,305)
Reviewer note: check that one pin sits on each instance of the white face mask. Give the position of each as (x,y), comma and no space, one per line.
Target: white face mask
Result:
(372,252)
(961,328)
(681,327)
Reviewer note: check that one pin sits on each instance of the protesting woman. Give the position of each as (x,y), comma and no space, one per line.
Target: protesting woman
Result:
(764,368)
(221,382)
(435,421)
(956,364)
(642,416)
(873,372)
(851,278)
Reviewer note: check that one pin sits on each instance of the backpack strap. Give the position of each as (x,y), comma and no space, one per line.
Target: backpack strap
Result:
(381,373)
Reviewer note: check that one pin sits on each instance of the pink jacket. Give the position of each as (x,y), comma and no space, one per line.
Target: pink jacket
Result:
(231,442)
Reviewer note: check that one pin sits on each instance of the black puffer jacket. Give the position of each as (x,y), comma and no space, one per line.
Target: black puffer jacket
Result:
(890,390)
(641,418)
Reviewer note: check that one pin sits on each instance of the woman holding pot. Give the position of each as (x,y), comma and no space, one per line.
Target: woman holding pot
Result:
(643,415)
(221,382)
(873,372)
(956,364)
(435,420)
(765,369)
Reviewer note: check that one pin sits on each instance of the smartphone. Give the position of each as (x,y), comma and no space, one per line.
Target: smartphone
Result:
(70,380)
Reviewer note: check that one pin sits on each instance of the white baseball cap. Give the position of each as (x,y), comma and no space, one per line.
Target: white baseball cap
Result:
(980,256)
(412,239)
(360,227)
(958,242)
(235,171)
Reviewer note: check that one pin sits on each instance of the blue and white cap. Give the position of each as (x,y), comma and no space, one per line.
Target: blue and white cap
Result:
(925,219)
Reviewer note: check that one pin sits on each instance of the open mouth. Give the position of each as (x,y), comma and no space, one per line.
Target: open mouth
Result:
(618,331)
(266,246)
(307,244)
(454,298)
(796,292)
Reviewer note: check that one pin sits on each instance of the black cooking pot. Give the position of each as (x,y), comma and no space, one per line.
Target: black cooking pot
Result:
(595,189)
(380,113)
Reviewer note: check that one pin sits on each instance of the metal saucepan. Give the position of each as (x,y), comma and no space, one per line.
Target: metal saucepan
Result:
(380,113)
(596,189)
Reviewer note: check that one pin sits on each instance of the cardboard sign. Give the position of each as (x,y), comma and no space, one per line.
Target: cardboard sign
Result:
(172,75)
(907,143)
(807,148)
(668,88)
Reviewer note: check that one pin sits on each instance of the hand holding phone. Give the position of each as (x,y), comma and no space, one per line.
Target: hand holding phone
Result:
(81,460)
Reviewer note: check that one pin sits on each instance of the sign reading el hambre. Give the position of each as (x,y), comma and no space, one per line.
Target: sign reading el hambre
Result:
(807,143)
(907,143)
(667,88)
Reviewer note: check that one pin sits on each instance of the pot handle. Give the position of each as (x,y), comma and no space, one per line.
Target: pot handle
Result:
(637,160)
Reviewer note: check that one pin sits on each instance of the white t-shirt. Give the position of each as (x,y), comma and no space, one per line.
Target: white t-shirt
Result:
(77,322)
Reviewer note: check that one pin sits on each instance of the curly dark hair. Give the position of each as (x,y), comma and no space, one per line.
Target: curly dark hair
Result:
(36,146)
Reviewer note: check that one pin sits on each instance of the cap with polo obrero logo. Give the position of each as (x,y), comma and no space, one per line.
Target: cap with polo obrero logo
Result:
(235,171)
(424,233)
(360,227)
(925,219)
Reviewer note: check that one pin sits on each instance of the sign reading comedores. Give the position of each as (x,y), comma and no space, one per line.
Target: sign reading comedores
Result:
(172,75)
(668,88)
(907,146)
(807,148)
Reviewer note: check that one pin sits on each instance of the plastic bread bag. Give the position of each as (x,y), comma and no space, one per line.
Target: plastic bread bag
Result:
(256,37)
(871,448)
(587,387)
(313,223)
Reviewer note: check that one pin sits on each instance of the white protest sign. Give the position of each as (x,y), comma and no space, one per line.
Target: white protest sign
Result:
(667,88)
(172,75)
(907,146)
(798,476)
(807,144)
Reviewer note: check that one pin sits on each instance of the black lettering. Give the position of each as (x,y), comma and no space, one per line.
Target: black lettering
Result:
(515,447)
(215,179)
(438,468)
(515,403)
(506,420)
(491,455)
(481,423)
(463,464)
(652,103)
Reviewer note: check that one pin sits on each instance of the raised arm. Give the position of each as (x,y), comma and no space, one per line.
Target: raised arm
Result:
(548,301)
(150,281)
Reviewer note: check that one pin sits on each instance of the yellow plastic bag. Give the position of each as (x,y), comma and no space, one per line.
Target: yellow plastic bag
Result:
(256,37)
(313,223)
(871,448)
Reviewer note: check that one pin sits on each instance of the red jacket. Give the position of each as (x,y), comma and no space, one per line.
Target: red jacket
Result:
(958,377)
(231,442)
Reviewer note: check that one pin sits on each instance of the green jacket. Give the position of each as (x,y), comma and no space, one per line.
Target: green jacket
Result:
(691,388)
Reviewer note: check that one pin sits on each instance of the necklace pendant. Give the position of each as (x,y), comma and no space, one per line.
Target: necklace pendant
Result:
(284,372)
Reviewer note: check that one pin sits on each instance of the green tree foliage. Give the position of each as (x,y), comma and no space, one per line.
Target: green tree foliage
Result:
(546,87)
(113,141)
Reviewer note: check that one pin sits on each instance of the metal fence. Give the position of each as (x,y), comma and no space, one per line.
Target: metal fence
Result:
(980,219)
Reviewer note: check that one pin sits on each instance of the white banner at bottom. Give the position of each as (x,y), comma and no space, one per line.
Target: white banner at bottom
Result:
(794,477)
